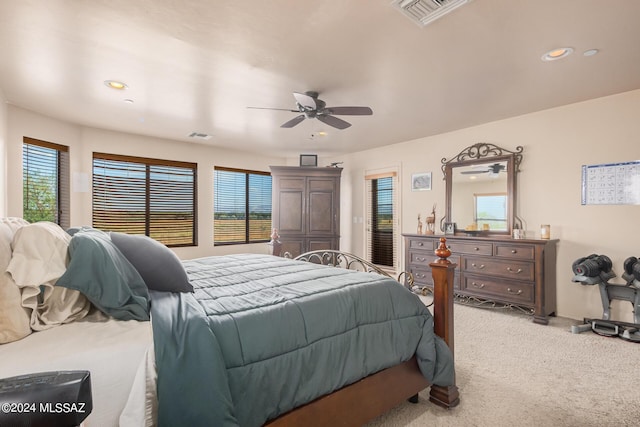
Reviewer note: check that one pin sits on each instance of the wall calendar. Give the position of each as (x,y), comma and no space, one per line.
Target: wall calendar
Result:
(611,184)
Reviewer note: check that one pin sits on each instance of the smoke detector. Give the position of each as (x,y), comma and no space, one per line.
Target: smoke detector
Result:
(424,12)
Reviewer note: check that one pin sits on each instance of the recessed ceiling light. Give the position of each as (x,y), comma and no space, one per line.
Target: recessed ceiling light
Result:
(114,84)
(319,134)
(558,53)
(128,101)
(590,52)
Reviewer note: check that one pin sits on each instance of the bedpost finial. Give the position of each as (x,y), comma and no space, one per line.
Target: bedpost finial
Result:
(443,251)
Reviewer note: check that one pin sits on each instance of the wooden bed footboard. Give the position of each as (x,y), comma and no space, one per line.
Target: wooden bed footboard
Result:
(374,395)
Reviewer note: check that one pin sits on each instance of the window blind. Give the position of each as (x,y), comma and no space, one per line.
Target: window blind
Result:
(153,197)
(241,206)
(45,182)
(382,219)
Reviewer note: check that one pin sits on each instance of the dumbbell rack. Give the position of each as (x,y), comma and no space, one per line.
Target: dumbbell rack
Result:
(610,291)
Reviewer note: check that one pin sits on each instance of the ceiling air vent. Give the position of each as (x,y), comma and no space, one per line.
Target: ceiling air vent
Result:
(423,12)
(198,135)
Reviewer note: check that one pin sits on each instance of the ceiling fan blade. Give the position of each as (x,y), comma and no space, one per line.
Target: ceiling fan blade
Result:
(334,121)
(278,109)
(291,123)
(473,172)
(350,111)
(305,100)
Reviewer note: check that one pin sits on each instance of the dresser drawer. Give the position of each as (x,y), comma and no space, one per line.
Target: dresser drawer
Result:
(421,276)
(507,250)
(423,244)
(422,258)
(424,277)
(514,292)
(476,248)
(511,269)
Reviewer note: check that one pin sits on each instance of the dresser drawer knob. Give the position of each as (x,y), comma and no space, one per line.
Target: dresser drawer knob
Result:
(421,259)
(479,267)
(514,251)
(476,249)
(511,270)
(511,291)
(420,275)
(420,244)
(475,285)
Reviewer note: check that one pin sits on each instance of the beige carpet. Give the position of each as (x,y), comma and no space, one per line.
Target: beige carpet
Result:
(512,372)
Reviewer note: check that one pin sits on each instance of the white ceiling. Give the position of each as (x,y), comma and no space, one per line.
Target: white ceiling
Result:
(196,65)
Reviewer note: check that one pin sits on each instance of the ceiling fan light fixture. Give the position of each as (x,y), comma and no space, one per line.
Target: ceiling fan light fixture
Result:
(114,84)
(557,53)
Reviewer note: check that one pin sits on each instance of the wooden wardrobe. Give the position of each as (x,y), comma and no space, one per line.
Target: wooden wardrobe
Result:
(306,208)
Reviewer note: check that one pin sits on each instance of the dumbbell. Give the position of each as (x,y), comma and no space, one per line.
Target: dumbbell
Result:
(592,265)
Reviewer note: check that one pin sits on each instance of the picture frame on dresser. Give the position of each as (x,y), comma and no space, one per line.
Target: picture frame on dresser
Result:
(449,228)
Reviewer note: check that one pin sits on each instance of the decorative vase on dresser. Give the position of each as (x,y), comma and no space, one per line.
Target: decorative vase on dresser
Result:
(492,270)
(306,208)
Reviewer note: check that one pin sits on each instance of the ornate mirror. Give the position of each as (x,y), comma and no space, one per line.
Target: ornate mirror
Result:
(481,190)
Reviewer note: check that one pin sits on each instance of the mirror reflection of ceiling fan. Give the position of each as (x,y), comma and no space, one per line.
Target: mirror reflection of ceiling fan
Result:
(493,169)
(313,108)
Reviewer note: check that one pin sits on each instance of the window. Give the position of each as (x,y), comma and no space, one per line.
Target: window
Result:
(241,206)
(153,197)
(45,182)
(491,209)
(382,219)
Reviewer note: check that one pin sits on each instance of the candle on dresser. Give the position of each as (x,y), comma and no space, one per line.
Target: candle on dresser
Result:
(545,231)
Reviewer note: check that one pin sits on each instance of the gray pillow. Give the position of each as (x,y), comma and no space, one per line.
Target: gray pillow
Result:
(160,268)
(99,271)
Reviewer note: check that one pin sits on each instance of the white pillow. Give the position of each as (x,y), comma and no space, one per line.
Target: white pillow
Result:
(14,318)
(39,259)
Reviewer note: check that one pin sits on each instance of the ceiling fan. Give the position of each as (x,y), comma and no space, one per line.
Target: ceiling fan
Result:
(313,108)
(493,169)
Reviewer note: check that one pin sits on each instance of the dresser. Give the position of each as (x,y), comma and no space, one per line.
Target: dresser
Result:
(306,208)
(500,270)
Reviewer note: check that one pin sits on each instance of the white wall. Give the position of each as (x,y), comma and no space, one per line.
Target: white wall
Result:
(3,154)
(83,141)
(557,142)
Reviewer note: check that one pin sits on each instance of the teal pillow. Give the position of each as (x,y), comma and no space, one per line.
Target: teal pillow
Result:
(160,268)
(98,270)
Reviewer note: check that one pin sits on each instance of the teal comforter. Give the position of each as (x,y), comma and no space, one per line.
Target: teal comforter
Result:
(262,335)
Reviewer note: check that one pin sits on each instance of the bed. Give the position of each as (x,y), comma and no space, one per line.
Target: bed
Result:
(259,340)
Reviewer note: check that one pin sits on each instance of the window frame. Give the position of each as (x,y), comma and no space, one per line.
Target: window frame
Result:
(247,226)
(371,247)
(63,190)
(148,164)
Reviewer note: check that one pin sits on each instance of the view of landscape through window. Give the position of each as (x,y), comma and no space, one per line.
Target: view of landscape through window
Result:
(242,206)
(140,197)
(45,186)
(492,210)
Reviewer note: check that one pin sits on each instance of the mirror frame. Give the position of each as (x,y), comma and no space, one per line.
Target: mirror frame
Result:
(478,153)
